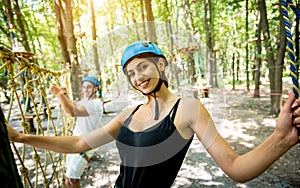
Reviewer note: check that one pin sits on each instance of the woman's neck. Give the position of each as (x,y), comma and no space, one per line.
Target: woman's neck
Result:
(163,95)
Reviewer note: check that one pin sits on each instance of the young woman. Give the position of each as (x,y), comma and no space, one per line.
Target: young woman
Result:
(152,138)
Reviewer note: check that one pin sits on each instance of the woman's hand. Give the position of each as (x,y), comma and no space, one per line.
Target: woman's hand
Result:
(13,135)
(288,120)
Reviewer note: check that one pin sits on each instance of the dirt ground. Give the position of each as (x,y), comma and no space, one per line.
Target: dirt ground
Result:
(243,121)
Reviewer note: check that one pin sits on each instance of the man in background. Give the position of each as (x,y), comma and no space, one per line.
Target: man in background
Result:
(88,112)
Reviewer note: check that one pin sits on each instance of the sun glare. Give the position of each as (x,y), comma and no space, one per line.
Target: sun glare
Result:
(98,3)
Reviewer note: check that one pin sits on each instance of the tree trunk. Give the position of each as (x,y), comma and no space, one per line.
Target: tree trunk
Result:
(233,71)
(68,41)
(150,21)
(188,19)
(12,32)
(143,18)
(281,48)
(169,28)
(20,22)
(133,17)
(247,46)
(212,41)
(8,171)
(238,67)
(188,15)
(273,78)
(258,59)
(72,49)
(208,20)
(9,20)
(234,55)
(60,35)
(94,37)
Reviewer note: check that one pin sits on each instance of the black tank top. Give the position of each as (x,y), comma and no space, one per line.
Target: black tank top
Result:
(151,158)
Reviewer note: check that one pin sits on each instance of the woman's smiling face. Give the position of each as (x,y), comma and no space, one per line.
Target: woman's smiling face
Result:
(142,74)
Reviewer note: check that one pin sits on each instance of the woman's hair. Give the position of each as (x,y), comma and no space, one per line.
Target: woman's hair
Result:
(153,58)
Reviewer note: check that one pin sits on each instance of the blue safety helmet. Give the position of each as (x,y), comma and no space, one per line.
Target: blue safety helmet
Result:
(138,48)
(91,79)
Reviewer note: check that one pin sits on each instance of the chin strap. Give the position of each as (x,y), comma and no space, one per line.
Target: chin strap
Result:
(156,108)
(157,88)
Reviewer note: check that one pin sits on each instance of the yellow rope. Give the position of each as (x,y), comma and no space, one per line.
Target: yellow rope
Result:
(35,78)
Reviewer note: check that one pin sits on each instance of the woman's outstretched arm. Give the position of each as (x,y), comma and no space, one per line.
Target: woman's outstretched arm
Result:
(245,167)
(69,144)
(61,144)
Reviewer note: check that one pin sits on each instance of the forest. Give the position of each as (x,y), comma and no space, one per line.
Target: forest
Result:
(231,44)
(246,39)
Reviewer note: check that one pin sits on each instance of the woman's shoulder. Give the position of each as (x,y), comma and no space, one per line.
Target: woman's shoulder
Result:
(190,101)
(190,105)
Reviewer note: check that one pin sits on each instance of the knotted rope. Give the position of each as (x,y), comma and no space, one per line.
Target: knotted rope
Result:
(290,45)
(15,67)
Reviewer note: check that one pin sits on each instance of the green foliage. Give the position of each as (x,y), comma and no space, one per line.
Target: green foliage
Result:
(40,25)
(229,32)
(286,74)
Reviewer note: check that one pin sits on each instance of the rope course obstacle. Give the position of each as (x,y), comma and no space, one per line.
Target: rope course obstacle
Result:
(290,45)
(45,168)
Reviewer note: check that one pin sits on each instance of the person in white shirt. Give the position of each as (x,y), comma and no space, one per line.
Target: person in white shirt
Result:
(88,112)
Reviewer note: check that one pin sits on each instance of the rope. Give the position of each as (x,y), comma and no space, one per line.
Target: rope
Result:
(35,78)
(290,46)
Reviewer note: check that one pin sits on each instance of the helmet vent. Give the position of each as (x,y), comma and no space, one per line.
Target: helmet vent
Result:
(146,44)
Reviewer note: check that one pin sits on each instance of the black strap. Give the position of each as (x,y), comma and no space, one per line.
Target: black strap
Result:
(135,109)
(156,109)
(128,120)
(174,110)
(83,155)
